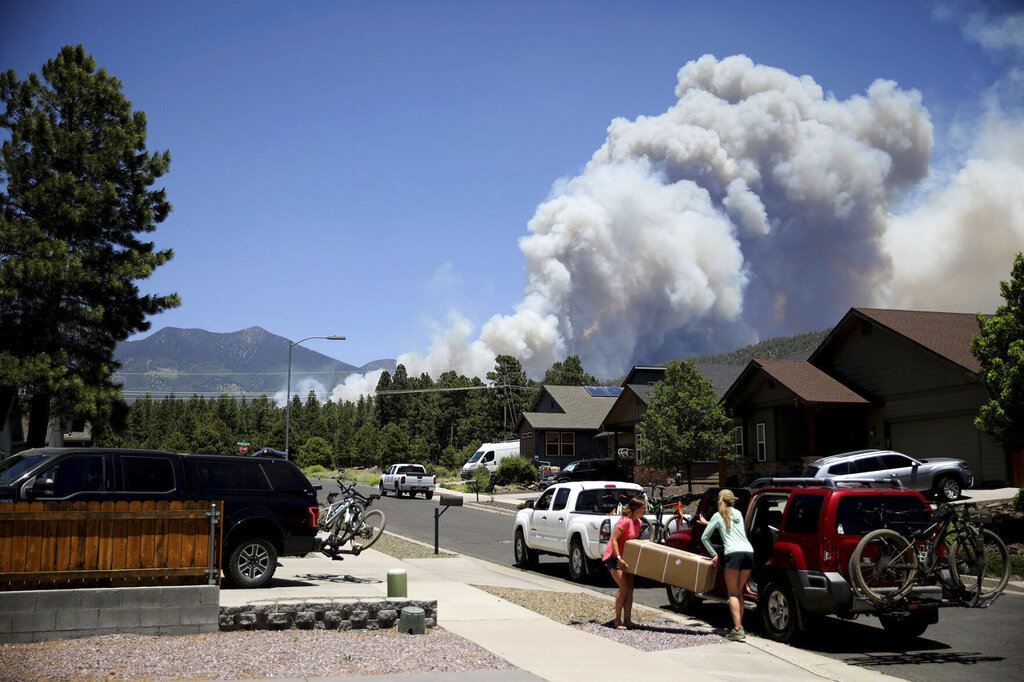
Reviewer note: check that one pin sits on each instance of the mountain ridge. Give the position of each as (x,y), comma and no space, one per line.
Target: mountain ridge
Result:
(248,361)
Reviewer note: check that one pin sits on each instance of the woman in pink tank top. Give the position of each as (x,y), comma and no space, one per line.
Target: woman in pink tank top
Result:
(627,528)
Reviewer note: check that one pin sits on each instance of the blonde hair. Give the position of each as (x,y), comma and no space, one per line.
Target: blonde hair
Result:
(633,505)
(726,498)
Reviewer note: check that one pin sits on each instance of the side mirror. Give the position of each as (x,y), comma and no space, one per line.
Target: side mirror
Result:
(528,504)
(39,486)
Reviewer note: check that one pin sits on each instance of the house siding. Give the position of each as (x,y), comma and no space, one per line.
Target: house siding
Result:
(927,404)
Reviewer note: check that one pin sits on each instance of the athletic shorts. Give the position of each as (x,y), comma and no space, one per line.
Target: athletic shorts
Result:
(612,563)
(739,560)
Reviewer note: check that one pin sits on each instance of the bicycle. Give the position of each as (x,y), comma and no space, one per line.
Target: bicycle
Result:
(347,521)
(658,530)
(886,564)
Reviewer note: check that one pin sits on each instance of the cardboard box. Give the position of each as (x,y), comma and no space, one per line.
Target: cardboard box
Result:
(669,565)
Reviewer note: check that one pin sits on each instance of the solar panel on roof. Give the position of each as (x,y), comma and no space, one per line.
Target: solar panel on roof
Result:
(597,391)
(614,391)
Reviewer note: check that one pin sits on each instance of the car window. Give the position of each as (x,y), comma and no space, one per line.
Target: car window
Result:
(545,499)
(13,467)
(866,465)
(283,476)
(231,475)
(603,500)
(147,474)
(489,457)
(859,514)
(411,470)
(78,474)
(561,497)
(896,462)
(803,513)
(840,469)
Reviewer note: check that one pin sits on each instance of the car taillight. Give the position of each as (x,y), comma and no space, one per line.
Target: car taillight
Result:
(314,516)
(829,560)
(403,479)
(606,531)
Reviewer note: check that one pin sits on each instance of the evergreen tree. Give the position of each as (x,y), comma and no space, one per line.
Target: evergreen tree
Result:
(75,196)
(569,372)
(1000,350)
(683,421)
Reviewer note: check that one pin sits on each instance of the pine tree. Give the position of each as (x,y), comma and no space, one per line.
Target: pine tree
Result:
(75,197)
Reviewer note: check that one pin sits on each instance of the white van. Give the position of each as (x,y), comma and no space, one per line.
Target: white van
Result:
(489,455)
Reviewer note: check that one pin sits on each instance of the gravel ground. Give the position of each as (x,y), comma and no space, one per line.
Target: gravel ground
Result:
(233,655)
(595,615)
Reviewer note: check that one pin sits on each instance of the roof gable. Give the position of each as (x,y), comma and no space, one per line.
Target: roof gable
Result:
(581,410)
(802,379)
(945,335)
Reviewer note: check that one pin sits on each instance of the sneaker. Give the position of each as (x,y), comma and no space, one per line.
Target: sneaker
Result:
(736,635)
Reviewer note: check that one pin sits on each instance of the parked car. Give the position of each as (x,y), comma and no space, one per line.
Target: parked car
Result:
(270,508)
(573,520)
(945,478)
(407,478)
(592,470)
(804,532)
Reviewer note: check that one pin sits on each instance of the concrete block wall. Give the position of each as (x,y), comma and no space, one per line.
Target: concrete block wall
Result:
(41,615)
(361,614)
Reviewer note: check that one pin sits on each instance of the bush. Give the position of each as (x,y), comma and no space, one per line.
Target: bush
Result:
(1018,500)
(518,470)
(452,458)
(481,476)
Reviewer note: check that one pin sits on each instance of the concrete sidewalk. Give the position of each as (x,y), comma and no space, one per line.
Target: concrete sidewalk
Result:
(538,646)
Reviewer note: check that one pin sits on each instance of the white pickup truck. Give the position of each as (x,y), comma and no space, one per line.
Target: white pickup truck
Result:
(574,520)
(407,478)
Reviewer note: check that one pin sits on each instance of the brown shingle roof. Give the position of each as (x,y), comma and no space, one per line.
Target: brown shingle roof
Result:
(945,334)
(809,383)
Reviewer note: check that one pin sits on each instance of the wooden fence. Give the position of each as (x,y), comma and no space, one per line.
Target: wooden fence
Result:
(45,545)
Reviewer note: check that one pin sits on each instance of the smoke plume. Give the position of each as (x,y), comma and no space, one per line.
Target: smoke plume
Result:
(757,205)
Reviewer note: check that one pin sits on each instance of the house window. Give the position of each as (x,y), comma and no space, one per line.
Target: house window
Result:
(762,445)
(560,444)
(552,443)
(568,444)
(737,441)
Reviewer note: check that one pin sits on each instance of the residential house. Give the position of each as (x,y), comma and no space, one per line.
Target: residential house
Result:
(564,424)
(898,379)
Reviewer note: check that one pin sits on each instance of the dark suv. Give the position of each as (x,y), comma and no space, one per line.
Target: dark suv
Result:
(270,508)
(592,470)
(804,532)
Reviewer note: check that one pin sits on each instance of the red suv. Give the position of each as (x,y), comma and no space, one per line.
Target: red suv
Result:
(804,532)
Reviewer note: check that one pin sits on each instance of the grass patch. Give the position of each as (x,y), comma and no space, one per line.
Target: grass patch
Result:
(568,607)
(400,548)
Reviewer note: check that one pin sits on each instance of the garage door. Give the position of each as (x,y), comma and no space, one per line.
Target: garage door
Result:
(950,437)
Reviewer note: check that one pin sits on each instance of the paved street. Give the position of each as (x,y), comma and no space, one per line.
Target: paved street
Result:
(966,643)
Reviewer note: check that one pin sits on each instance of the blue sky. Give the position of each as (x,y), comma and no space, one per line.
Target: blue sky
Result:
(363,168)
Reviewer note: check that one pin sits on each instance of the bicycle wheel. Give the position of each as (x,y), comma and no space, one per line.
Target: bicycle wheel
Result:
(980,576)
(370,530)
(329,516)
(883,566)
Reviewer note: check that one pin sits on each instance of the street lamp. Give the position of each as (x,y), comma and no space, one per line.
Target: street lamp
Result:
(288,396)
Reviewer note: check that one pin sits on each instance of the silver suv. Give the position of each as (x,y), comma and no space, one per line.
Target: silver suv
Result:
(943,477)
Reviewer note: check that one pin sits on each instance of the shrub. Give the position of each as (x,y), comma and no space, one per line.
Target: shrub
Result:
(1018,500)
(482,477)
(517,470)
(452,458)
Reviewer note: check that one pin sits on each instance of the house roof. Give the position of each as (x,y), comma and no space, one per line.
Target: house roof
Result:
(580,410)
(719,375)
(947,335)
(804,380)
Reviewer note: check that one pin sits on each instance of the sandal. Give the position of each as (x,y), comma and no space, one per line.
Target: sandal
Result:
(620,626)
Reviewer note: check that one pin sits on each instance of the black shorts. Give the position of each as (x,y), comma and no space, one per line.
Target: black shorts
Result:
(612,563)
(739,560)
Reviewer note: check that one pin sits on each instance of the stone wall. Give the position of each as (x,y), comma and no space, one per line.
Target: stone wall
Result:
(41,615)
(362,614)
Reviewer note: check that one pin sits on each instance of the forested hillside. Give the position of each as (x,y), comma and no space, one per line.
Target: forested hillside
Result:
(780,347)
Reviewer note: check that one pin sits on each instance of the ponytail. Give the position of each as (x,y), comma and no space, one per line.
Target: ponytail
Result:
(723,509)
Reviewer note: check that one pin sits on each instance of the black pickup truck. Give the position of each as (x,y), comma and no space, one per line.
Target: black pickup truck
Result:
(270,508)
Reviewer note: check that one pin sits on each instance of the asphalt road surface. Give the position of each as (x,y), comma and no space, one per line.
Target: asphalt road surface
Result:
(964,644)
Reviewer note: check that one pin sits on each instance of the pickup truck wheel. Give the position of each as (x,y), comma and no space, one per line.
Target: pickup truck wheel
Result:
(382,491)
(947,488)
(681,600)
(524,556)
(904,626)
(252,563)
(577,561)
(429,494)
(779,612)
(398,491)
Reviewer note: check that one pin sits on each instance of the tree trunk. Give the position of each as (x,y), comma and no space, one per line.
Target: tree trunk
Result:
(39,421)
